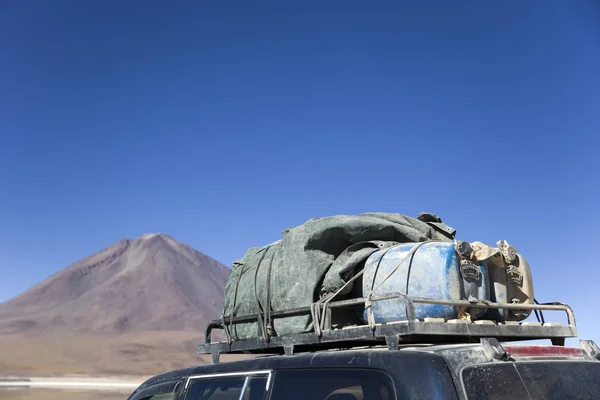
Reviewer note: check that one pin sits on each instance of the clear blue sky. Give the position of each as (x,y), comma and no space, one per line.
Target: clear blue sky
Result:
(222,123)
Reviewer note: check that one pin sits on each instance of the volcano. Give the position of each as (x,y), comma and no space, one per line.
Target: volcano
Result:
(137,306)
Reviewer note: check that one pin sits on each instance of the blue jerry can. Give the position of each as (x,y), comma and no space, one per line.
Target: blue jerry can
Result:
(432,271)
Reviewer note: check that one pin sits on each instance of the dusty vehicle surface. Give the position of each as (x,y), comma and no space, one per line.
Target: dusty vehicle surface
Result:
(472,371)
(418,360)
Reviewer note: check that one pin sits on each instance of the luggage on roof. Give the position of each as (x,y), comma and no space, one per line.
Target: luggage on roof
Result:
(448,271)
(321,260)
(312,260)
(427,269)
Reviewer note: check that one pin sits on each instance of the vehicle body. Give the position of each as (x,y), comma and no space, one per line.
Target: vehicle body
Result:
(430,358)
(485,370)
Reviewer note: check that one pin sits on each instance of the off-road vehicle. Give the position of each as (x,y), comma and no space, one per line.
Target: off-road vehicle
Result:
(413,359)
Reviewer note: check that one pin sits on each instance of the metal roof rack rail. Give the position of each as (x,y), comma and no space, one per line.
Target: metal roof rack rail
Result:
(391,334)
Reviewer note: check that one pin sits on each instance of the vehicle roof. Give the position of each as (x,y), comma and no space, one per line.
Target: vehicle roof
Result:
(364,357)
(373,357)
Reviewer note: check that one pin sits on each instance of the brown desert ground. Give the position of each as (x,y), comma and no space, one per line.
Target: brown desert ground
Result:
(137,307)
(36,394)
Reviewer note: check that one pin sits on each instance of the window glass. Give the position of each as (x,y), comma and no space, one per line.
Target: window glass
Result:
(216,389)
(255,388)
(158,391)
(332,384)
(228,388)
(533,381)
(163,396)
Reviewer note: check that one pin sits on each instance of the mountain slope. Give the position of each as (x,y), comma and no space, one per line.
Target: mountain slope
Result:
(151,289)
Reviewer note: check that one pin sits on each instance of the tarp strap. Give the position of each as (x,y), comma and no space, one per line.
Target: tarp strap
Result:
(321,304)
(368,299)
(318,308)
(541,314)
(269,330)
(315,312)
(226,329)
(229,330)
(235,293)
(259,309)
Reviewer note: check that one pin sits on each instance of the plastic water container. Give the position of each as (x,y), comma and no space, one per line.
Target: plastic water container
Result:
(511,283)
(435,271)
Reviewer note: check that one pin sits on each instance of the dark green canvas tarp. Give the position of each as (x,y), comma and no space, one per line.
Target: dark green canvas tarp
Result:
(313,259)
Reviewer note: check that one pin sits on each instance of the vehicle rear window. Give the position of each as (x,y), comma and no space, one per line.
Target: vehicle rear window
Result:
(253,388)
(333,384)
(562,380)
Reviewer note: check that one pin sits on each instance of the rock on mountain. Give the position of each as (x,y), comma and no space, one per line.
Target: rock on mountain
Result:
(152,283)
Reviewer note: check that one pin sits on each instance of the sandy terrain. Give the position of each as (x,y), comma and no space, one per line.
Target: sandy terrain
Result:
(139,354)
(53,394)
(69,388)
(126,384)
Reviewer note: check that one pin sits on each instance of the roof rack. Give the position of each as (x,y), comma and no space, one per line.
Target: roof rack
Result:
(390,334)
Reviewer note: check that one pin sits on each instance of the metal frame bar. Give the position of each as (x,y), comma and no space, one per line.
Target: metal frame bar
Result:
(554,306)
(392,333)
